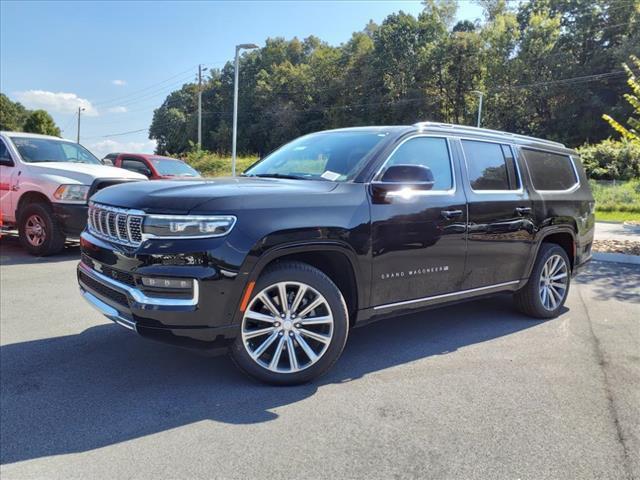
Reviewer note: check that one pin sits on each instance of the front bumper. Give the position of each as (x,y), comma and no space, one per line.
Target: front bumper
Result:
(151,317)
(72,218)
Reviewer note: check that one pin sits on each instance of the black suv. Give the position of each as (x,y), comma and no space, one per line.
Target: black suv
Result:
(335,229)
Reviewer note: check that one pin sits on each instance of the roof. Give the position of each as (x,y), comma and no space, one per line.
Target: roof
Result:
(146,156)
(30,135)
(466,129)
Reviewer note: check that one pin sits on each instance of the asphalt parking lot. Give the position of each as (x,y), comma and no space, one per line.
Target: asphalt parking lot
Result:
(470,391)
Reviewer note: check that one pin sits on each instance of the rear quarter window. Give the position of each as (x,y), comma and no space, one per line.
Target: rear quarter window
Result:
(550,171)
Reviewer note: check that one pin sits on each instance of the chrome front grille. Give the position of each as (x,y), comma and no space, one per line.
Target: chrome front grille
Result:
(115,224)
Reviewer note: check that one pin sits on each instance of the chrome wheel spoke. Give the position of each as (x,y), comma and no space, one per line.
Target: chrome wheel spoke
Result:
(266,344)
(302,289)
(316,336)
(273,364)
(264,298)
(558,277)
(309,308)
(293,359)
(305,346)
(258,333)
(261,317)
(282,295)
(316,320)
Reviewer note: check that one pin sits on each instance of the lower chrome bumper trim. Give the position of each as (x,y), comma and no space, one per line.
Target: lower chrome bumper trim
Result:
(108,311)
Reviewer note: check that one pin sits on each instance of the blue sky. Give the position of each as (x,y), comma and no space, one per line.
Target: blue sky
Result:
(120,59)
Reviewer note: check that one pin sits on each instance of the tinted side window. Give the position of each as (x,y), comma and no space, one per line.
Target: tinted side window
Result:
(491,166)
(550,171)
(430,152)
(137,166)
(4,151)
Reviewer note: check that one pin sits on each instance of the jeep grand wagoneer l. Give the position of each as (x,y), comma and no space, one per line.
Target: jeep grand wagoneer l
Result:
(335,229)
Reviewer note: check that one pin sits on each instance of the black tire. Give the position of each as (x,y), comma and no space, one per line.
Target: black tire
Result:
(53,238)
(302,273)
(529,299)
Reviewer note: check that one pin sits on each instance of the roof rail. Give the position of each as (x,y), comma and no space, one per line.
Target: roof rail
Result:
(469,129)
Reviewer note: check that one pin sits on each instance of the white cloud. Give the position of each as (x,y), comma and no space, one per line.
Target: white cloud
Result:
(59,102)
(119,83)
(101,148)
(117,110)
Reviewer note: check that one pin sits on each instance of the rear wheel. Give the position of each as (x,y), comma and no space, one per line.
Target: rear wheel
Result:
(548,286)
(39,231)
(294,327)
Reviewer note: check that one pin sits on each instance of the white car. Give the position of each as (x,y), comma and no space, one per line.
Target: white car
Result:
(45,184)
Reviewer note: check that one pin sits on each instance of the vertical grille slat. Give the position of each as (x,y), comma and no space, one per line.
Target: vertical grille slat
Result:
(115,224)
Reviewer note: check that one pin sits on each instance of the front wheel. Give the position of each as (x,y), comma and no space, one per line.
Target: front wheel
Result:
(546,291)
(39,230)
(294,327)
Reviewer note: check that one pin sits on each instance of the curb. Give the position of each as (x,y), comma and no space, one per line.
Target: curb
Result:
(617,258)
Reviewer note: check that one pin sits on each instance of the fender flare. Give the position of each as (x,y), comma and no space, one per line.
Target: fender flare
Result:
(279,251)
(544,233)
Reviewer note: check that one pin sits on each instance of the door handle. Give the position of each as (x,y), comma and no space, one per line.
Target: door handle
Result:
(523,210)
(449,214)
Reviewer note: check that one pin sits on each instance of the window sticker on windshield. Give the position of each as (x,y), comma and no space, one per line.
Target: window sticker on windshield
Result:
(329,175)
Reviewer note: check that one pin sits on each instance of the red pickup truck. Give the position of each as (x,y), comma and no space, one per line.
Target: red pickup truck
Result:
(154,167)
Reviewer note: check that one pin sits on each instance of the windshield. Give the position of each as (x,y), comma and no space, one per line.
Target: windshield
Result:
(171,166)
(334,156)
(36,150)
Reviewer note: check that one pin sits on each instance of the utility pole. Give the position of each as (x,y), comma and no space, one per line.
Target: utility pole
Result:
(80,109)
(244,46)
(480,94)
(199,107)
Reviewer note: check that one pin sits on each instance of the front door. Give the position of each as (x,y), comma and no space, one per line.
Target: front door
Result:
(501,229)
(419,240)
(7,174)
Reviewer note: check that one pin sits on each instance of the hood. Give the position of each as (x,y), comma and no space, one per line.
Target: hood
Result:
(83,173)
(219,195)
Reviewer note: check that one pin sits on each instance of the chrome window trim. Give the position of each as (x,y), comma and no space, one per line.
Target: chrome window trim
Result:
(445,295)
(451,191)
(571,189)
(519,191)
(138,295)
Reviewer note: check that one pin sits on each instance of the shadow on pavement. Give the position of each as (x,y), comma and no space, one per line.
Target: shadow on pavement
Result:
(105,385)
(12,253)
(617,281)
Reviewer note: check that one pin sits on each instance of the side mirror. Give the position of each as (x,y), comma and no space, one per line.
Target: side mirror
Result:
(107,161)
(402,182)
(6,162)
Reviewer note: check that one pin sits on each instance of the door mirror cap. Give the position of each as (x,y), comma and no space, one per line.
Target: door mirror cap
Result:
(409,174)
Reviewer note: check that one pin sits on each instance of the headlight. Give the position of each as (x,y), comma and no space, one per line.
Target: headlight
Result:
(72,193)
(187,226)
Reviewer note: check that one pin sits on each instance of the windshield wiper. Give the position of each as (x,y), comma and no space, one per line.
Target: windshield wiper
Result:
(276,175)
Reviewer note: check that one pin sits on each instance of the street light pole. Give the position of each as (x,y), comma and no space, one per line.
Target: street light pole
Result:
(200,71)
(245,46)
(80,109)
(480,94)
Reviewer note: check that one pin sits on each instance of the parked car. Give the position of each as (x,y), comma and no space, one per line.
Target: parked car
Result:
(45,183)
(336,229)
(154,167)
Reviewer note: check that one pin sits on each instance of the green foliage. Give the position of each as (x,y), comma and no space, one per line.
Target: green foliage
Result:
(39,121)
(611,160)
(633,132)
(213,165)
(407,69)
(617,197)
(14,117)
(12,114)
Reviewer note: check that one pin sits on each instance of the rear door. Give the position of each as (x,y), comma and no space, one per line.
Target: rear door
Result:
(501,228)
(419,240)
(8,175)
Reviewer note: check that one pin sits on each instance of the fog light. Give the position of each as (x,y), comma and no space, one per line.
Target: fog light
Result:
(170,283)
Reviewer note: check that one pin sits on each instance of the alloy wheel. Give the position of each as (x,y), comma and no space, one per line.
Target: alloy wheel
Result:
(35,230)
(554,279)
(287,327)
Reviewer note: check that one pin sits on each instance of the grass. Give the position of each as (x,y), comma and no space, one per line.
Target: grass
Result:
(618,202)
(214,165)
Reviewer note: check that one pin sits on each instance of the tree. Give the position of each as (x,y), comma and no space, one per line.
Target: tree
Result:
(12,114)
(39,121)
(633,132)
